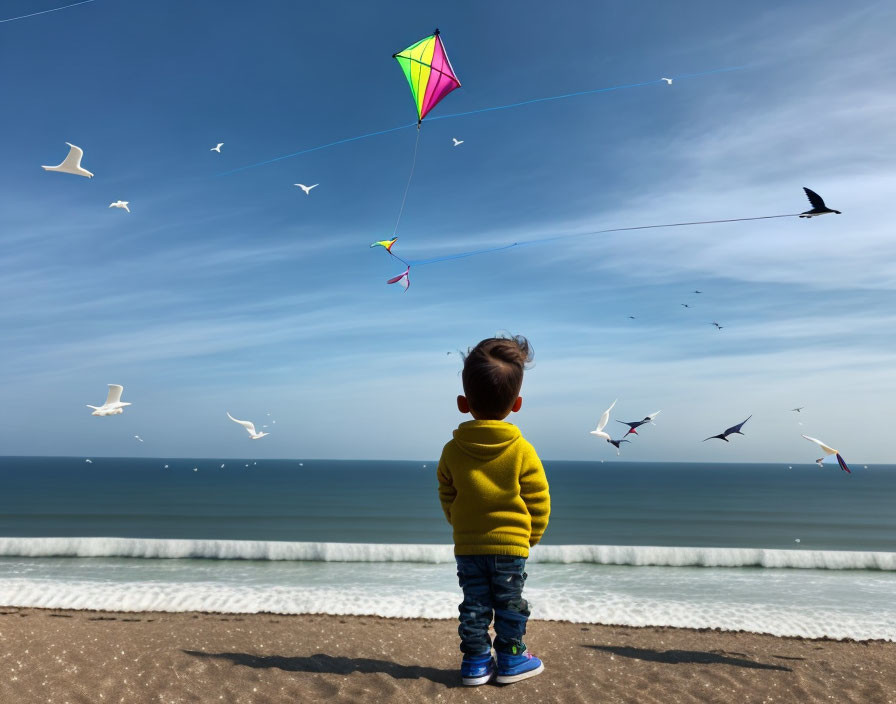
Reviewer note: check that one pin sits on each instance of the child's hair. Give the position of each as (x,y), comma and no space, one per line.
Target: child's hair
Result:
(493,374)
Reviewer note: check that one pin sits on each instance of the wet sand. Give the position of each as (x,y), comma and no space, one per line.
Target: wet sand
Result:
(89,656)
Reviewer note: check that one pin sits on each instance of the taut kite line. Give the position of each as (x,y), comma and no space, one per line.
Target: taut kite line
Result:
(44,12)
(562,96)
(404,278)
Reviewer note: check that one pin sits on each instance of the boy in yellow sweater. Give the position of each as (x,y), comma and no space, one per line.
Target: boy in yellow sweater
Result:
(494,493)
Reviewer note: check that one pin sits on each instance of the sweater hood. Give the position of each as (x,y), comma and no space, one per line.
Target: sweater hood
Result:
(485,439)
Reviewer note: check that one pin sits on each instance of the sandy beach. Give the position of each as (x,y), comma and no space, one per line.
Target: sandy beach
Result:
(90,656)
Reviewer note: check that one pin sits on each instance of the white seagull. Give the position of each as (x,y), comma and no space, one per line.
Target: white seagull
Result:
(667,80)
(457,142)
(217,148)
(828,451)
(89,461)
(123,204)
(305,188)
(113,406)
(139,438)
(602,423)
(249,426)
(71,164)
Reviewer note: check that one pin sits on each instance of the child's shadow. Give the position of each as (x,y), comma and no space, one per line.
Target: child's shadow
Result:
(338,665)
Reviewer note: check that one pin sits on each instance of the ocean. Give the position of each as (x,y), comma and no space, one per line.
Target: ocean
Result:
(798,551)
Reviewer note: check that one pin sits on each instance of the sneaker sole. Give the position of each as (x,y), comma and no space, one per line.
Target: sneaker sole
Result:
(473,681)
(510,679)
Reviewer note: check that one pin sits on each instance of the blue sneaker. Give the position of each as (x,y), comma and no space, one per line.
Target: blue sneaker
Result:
(477,669)
(513,668)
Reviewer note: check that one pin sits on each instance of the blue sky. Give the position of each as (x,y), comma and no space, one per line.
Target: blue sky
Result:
(235,291)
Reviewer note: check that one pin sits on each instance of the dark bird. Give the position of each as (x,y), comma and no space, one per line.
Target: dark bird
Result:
(617,443)
(798,409)
(818,206)
(733,430)
(698,291)
(637,424)
(631,317)
(716,324)
(685,305)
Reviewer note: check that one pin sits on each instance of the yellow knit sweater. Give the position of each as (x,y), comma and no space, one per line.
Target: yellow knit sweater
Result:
(493,490)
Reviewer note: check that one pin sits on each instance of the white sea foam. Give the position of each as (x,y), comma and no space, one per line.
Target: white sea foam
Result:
(405,602)
(437,554)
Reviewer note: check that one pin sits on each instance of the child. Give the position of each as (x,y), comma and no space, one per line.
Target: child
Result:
(495,495)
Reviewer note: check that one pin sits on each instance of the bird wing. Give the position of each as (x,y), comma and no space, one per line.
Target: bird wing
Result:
(114,394)
(248,425)
(842,464)
(720,436)
(601,434)
(73,160)
(652,416)
(814,198)
(827,450)
(125,206)
(736,428)
(605,418)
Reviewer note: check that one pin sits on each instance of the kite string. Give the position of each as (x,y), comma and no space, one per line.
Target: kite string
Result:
(461,255)
(44,12)
(408,186)
(564,96)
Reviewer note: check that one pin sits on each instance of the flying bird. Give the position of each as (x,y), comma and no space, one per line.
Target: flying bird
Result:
(617,443)
(698,291)
(457,142)
(139,438)
(638,423)
(828,451)
(685,305)
(217,148)
(71,164)
(602,423)
(667,80)
(631,317)
(733,430)
(123,204)
(113,406)
(798,409)
(305,188)
(818,206)
(249,426)
(716,324)
(89,461)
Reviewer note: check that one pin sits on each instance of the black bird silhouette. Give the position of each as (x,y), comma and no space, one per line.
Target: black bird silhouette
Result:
(716,324)
(617,443)
(631,317)
(632,426)
(818,206)
(698,291)
(798,410)
(733,430)
(685,305)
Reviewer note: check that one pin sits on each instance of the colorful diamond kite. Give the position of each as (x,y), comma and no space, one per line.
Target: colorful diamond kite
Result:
(429,72)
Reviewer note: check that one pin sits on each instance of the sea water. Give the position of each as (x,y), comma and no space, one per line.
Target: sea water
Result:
(804,551)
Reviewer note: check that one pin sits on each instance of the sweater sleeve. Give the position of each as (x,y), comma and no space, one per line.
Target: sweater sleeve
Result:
(447,492)
(535,494)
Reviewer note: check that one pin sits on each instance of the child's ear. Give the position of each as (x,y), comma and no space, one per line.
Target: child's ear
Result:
(462,404)
(517,405)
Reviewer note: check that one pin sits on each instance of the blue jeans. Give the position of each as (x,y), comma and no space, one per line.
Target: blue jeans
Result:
(492,584)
